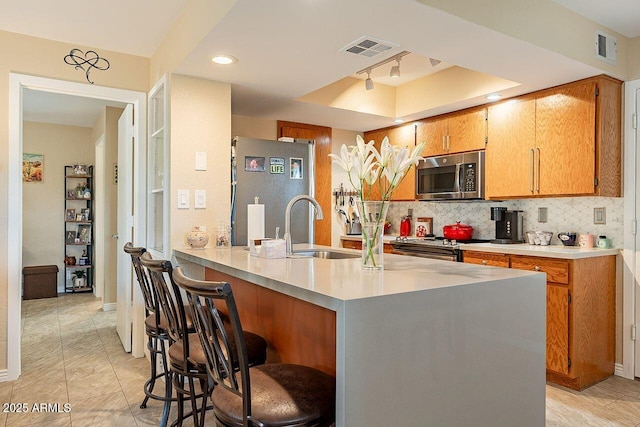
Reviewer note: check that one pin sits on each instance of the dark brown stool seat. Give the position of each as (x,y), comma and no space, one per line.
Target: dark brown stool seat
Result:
(281,395)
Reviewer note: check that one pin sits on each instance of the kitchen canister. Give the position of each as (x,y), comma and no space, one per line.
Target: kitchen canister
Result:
(603,242)
(586,240)
(197,238)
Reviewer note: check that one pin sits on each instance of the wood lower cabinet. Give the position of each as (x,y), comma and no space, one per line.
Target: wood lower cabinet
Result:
(561,141)
(486,258)
(357,244)
(580,314)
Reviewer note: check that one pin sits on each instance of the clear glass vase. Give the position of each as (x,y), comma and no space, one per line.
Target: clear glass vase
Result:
(373,215)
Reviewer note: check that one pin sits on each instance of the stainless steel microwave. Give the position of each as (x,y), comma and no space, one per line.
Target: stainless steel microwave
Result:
(451,177)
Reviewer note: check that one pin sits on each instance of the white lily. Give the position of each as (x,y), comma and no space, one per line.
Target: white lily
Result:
(344,160)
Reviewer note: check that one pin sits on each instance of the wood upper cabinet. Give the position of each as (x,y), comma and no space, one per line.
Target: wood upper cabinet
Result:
(557,142)
(401,136)
(565,140)
(510,152)
(454,133)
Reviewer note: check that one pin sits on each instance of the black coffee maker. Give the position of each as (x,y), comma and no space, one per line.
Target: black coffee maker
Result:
(509,225)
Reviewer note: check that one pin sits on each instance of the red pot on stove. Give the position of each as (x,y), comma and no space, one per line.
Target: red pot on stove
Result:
(458,231)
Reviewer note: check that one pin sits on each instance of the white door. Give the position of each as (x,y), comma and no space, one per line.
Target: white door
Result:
(125,225)
(636,266)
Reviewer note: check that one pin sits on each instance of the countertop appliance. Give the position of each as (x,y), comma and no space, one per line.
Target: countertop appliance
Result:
(509,225)
(431,247)
(276,172)
(451,177)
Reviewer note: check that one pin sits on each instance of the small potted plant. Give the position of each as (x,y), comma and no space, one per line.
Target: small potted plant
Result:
(79,278)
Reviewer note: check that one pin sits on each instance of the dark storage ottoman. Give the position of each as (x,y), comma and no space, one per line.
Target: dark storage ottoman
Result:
(40,281)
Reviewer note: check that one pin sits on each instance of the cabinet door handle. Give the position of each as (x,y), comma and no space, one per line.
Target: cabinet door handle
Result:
(448,142)
(444,144)
(536,268)
(484,262)
(538,174)
(531,163)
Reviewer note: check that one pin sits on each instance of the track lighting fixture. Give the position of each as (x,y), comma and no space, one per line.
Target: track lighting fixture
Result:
(434,61)
(395,70)
(368,83)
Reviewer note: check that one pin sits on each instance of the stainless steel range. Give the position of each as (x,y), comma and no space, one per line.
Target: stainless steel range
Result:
(436,248)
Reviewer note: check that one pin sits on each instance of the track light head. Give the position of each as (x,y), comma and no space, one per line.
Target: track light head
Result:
(368,83)
(395,70)
(434,61)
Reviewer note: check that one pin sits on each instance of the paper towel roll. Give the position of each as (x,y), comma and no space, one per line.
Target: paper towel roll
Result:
(255,222)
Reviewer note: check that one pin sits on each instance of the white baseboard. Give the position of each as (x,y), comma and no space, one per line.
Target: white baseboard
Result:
(110,307)
(619,370)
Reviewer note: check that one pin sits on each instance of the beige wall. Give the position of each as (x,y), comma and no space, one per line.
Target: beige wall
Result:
(45,58)
(200,122)
(43,204)
(543,23)
(189,29)
(252,127)
(634,59)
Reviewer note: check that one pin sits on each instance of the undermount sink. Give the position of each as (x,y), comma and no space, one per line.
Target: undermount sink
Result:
(323,253)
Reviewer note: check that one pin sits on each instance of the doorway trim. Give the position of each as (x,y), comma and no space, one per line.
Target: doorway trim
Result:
(17,84)
(630,251)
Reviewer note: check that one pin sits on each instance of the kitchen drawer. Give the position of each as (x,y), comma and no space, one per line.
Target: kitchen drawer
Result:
(557,269)
(351,244)
(486,258)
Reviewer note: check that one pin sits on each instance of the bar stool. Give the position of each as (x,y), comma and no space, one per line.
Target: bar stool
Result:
(274,394)
(157,336)
(186,355)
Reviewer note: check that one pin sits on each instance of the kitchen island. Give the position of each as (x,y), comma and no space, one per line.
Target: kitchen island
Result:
(424,342)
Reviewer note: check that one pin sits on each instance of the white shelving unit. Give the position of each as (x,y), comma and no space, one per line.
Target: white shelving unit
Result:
(158,179)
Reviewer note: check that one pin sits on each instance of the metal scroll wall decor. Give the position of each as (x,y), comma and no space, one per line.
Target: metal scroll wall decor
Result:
(86,61)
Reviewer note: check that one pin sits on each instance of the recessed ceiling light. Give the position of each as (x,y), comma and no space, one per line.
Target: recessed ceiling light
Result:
(398,121)
(493,97)
(224,59)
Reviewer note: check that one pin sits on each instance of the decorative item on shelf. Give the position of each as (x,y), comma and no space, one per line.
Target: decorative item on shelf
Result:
(80,190)
(69,260)
(79,169)
(366,167)
(86,194)
(84,260)
(79,279)
(197,238)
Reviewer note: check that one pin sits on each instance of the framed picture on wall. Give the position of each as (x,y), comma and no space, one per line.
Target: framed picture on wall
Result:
(32,167)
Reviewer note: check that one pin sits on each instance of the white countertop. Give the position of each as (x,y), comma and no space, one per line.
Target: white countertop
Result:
(330,282)
(551,251)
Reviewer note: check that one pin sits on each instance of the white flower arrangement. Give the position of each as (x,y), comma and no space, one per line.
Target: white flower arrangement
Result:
(366,166)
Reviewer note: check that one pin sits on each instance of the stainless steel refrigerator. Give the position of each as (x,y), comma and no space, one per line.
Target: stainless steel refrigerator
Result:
(275,172)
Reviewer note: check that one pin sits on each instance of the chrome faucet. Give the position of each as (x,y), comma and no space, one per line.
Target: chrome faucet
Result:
(287,219)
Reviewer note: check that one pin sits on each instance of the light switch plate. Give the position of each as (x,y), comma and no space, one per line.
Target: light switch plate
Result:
(183,199)
(542,215)
(200,199)
(599,215)
(201,161)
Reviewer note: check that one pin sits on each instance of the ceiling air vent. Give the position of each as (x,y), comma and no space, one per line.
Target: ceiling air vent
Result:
(368,46)
(606,46)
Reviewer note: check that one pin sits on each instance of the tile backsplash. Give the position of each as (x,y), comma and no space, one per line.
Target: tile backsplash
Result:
(563,214)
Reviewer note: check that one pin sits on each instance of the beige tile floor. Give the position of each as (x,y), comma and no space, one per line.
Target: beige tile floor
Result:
(72,355)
